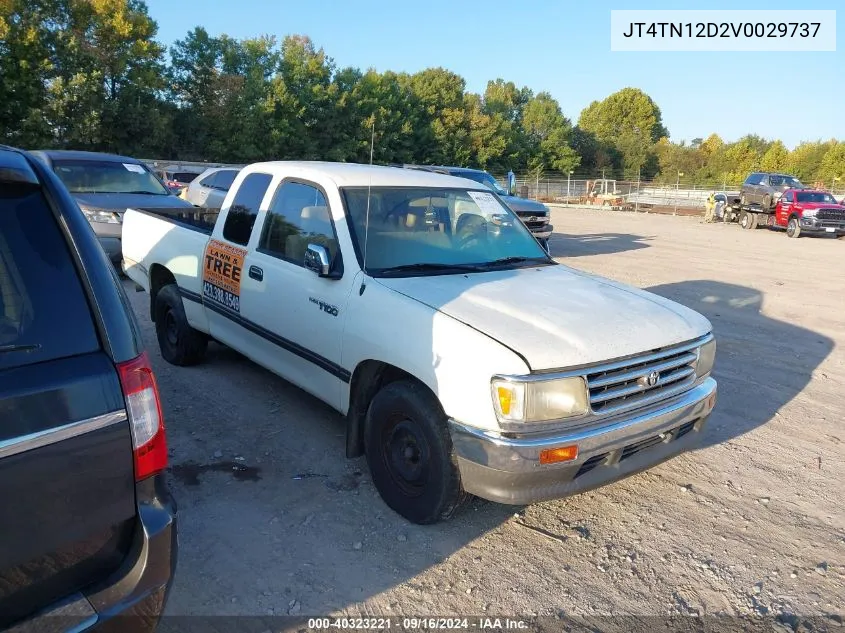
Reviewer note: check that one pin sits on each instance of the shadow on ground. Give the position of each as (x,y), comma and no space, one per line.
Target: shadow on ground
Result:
(761,363)
(562,245)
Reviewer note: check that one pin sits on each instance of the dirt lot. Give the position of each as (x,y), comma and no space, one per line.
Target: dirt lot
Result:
(275,520)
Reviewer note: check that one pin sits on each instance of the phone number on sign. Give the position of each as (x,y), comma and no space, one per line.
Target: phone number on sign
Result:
(210,291)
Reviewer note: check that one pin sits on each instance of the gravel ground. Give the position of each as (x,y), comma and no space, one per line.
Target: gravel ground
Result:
(274,519)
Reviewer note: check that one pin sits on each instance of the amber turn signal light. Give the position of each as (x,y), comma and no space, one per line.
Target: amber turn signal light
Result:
(559,454)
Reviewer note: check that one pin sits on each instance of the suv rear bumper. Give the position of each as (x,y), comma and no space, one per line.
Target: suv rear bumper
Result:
(508,470)
(133,598)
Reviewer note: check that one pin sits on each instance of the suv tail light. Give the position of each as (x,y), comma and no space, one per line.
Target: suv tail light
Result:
(145,419)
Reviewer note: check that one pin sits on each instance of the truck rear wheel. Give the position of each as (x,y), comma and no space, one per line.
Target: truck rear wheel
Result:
(410,455)
(793,228)
(180,344)
(748,220)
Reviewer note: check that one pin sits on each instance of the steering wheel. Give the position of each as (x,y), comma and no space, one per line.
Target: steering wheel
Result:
(470,231)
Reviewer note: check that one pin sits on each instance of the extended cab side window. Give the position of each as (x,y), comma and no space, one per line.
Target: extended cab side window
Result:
(789,197)
(241,216)
(298,216)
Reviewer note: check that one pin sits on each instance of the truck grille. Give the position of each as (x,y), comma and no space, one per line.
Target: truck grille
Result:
(831,214)
(642,380)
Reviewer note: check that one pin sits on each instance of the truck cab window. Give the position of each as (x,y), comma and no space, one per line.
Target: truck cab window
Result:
(297,217)
(244,208)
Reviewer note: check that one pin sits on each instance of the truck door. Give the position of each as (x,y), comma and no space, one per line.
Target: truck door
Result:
(223,267)
(298,312)
(783,208)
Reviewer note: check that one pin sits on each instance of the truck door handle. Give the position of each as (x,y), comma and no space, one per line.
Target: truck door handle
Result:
(256,273)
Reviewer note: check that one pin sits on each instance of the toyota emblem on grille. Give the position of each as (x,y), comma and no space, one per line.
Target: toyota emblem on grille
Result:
(652,379)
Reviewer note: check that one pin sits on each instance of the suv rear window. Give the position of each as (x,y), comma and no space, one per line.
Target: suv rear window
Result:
(44,314)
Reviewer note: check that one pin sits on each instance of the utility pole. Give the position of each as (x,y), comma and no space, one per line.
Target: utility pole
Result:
(677,188)
(637,203)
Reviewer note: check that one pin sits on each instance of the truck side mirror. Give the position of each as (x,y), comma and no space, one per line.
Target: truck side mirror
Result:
(317,259)
(511,183)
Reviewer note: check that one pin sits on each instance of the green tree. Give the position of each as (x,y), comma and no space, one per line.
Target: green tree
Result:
(26,45)
(833,164)
(548,133)
(776,157)
(805,160)
(301,100)
(629,121)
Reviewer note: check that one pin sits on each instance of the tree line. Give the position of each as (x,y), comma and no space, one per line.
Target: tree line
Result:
(89,74)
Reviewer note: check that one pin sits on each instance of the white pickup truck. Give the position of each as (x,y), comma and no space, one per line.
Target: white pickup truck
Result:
(410,302)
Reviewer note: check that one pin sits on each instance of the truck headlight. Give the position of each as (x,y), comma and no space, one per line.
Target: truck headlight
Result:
(706,358)
(100,215)
(519,400)
(809,213)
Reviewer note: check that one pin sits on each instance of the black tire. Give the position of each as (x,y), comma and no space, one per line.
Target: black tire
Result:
(180,344)
(755,220)
(745,220)
(743,201)
(767,202)
(793,228)
(410,455)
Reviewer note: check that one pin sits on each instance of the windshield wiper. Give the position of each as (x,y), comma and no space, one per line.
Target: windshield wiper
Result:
(505,261)
(19,348)
(430,266)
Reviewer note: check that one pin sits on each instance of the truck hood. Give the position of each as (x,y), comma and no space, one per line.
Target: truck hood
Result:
(556,317)
(119,202)
(522,205)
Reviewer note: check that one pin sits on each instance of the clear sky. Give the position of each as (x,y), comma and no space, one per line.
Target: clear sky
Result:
(562,47)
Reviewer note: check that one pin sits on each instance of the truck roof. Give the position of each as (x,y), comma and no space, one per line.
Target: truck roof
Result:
(358,175)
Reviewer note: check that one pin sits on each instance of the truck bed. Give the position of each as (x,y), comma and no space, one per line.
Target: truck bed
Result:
(197,219)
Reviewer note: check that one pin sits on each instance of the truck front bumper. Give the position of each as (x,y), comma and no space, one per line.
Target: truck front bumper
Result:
(543,233)
(508,469)
(814,225)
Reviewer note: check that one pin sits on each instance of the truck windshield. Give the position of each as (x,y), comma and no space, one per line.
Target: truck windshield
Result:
(415,230)
(104,176)
(815,196)
(484,178)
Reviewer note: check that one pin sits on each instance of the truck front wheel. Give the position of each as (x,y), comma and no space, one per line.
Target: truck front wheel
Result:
(180,344)
(410,455)
(793,228)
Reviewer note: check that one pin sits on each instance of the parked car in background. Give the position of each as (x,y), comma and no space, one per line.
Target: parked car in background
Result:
(463,357)
(766,189)
(88,523)
(535,215)
(804,211)
(210,188)
(176,181)
(104,186)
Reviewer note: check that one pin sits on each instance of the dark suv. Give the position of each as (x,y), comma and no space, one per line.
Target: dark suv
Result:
(88,525)
(766,189)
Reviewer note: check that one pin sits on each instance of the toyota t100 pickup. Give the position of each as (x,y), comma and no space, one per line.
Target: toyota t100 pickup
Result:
(408,301)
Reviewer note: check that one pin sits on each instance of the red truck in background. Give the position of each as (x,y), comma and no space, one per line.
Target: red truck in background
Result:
(808,211)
